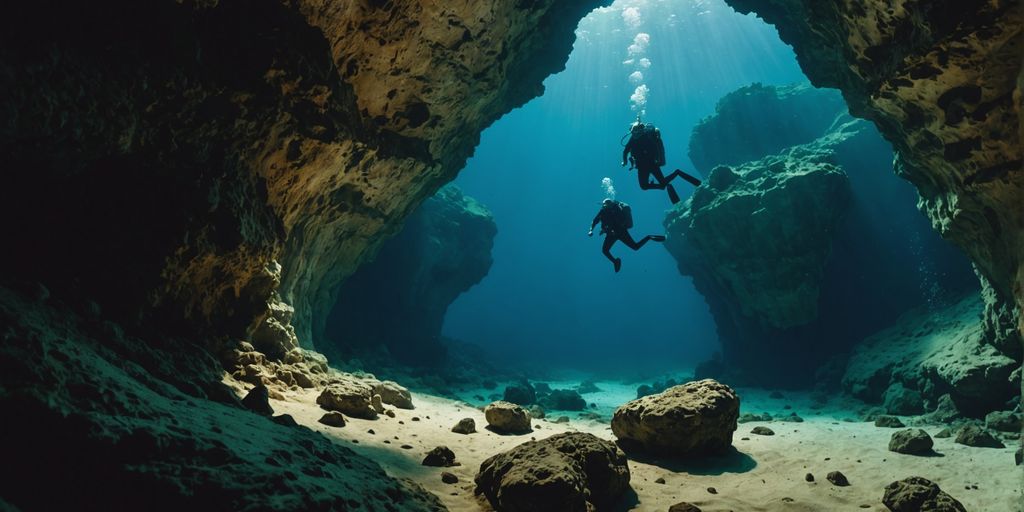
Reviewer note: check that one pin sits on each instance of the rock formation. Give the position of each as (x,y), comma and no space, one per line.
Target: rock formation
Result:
(571,472)
(690,419)
(943,85)
(778,281)
(443,249)
(191,183)
(760,120)
(935,353)
(916,494)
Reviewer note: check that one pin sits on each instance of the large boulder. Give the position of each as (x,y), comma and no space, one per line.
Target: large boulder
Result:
(570,472)
(693,418)
(916,494)
(563,400)
(507,417)
(522,393)
(348,396)
(443,249)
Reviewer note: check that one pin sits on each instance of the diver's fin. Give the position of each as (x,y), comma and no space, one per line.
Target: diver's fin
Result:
(618,264)
(672,195)
(658,238)
(689,179)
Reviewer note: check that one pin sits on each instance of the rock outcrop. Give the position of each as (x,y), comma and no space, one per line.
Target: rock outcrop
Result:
(690,419)
(935,353)
(570,472)
(443,249)
(780,252)
(760,120)
(943,85)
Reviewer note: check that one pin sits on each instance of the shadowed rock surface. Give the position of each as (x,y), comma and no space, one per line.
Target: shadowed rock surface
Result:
(911,442)
(689,419)
(935,353)
(571,472)
(443,249)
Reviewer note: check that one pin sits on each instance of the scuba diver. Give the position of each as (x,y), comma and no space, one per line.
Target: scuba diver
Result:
(646,152)
(616,219)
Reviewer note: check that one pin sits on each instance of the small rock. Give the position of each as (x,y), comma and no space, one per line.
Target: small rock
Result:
(809,477)
(564,400)
(393,394)
(944,433)
(588,386)
(449,478)
(683,507)
(333,419)
(562,419)
(1018,456)
(888,422)
(465,426)
(838,479)
(377,403)
(537,412)
(916,494)
(415,418)
(371,432)
(787,407)
(660,480)
(973,435)
(748,417)
(762,431)
(440,457)
(285,419)
(257,400)
(389,413)
(712,490)
(912,441)
(792,418)
(1003,421)
(406,447)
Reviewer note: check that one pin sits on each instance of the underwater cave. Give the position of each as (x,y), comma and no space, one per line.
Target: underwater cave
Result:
(649,255)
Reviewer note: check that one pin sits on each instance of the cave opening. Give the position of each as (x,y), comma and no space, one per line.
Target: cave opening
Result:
(320,255)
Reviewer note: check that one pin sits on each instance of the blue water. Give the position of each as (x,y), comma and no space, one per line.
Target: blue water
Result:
(550,294)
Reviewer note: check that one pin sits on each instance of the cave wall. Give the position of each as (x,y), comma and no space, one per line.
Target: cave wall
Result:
(443,249)
(941,82)
(196,146)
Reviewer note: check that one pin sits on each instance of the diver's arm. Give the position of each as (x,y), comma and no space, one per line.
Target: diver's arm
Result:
(597,218)
(625,151)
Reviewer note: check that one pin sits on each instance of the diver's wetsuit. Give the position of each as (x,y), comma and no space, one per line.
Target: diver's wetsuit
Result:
(649,155)
(611,226)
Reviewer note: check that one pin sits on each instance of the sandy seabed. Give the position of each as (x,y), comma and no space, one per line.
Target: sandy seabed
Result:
(766,473)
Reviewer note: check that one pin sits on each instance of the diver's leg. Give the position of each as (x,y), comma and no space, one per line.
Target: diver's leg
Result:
(627,239)
(644,174)
(609,241)
(686,177)
(662,183)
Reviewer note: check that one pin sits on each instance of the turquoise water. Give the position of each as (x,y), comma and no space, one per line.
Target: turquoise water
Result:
(550,294)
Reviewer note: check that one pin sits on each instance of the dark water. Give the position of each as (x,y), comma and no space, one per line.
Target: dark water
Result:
(551,294)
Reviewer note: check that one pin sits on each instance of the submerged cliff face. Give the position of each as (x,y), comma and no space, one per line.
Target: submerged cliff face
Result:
(793,272)
(444,248)
(942,84)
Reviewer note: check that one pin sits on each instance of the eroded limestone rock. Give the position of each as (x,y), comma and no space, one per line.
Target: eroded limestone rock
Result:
(348,396)
(916,494)
(690,419)
(507,417)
